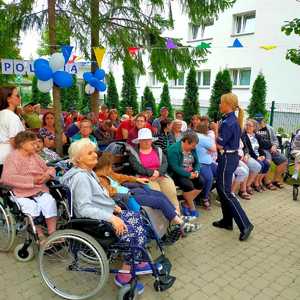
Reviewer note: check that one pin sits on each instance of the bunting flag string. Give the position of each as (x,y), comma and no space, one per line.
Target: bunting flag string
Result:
(133,51)
(170,44)
(99,53)
(268,47)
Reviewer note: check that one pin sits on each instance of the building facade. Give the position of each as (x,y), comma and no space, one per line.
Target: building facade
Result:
(254,23)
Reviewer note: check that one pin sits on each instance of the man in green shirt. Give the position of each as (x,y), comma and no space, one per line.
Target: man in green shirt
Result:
(31,117)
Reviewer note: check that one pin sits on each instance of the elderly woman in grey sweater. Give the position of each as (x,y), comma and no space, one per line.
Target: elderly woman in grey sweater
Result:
(91,200)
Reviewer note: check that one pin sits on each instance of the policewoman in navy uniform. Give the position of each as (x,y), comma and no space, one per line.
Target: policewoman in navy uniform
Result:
(228,142)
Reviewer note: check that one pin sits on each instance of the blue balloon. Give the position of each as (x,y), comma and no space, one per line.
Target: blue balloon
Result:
(40,62)
(94,82)
(102,86)
(87,76)
(63,79)
(43,72)
(100,74)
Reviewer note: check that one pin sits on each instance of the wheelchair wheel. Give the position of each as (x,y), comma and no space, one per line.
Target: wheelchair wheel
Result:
(24,255)
(126,293)
(64,270)
(7,229)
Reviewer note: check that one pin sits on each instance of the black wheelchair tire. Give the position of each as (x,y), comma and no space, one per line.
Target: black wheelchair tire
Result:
(295,192)
(126,293)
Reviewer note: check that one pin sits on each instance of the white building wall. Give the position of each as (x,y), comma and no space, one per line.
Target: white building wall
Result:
(281,75)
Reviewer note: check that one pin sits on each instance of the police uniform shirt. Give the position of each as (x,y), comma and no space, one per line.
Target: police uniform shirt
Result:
(229,132)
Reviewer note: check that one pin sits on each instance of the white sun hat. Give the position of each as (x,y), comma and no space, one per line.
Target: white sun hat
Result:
(144,134)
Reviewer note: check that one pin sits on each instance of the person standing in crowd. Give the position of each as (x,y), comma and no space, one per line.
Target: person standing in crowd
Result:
(10,123)
(179,116)
(195,121)
(31,117)
(104,134)
(126,125)
(103,114)
(149,113)
(165,138)
(140,121)
(164,113)
(270,144)
(114,118)
(228,142)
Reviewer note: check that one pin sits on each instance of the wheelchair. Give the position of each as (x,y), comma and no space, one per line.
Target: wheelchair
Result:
(75,262)
(15,224)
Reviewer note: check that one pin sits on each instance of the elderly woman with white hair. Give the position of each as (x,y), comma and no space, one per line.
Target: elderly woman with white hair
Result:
(91,200)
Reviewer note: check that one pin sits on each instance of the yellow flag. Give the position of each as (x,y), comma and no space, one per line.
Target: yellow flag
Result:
(268,47)
(99,53)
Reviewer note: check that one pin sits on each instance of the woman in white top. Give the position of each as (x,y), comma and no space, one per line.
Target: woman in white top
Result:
(10,123)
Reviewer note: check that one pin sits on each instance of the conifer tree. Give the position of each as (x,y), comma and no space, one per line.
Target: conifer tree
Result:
(44,99)
(112,98)
(148,100)
(190,101)
(165,101)
(222,85)
(129,93)
(258,100)
(70,96)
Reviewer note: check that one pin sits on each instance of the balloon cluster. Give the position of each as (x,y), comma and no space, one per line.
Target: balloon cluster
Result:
(52,71)
(95,81)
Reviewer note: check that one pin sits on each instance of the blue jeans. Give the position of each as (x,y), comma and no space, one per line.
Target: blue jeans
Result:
(231,208)
(208,173)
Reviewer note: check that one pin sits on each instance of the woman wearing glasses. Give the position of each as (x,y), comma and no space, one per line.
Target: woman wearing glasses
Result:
(10,123)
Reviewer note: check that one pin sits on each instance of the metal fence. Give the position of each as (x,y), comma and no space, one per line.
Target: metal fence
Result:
(284,115)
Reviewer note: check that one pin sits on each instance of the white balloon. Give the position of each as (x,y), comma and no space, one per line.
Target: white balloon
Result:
(89,89)
(45,86)
(57,62)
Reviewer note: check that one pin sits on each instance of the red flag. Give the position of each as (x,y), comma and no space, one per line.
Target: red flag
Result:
(133,51)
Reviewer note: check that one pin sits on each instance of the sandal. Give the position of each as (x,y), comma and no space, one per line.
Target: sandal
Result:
(249,190)
(244,195)
(189,227)
(206,204)
(257,188)
(270,186)
(278,184)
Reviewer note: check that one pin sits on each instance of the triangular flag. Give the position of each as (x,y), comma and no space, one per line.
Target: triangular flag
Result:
(236,44)
(170,44)
(268,47)
(99,53)
(72,60)
(66,51)
(204,45)
(133,51)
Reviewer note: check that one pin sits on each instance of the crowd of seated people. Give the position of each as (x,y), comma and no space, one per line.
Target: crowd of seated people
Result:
(163,154)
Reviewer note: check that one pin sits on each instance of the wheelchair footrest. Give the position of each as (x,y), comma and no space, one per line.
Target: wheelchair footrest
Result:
(164,283)
(165,263)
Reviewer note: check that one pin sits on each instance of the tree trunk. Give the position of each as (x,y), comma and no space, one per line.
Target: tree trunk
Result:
(94,4)
(56,90)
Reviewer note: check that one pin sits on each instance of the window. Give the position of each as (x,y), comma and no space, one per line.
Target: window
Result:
(240,77)
(202,31)
(179,81)
(244,23)
(153,80)
(137,80)
(203,78)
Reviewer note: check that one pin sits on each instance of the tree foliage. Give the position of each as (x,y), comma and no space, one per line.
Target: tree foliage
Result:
(293,27)
(222,85)
(190,101)
(166,101)
(70,97)
(129,93)
(44,99)
(258,100)
(112,98)
(148,100)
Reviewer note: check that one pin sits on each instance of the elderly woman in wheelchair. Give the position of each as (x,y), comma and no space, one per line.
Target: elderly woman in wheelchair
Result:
(124,230)
(26,175)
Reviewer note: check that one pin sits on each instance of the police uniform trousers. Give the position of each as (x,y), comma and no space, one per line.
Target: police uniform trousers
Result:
(231,208)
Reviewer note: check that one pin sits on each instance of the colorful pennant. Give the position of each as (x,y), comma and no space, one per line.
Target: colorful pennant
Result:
(133,51)
(268,47)
(99,53)
(170,44)
(236,44)
(66,51)
(204,45)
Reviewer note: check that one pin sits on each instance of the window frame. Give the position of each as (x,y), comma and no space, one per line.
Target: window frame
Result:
(236,80)
(200,73)
(152,80)
(242,17)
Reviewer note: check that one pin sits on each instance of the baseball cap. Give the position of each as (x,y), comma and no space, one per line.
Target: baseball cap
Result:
(163,108)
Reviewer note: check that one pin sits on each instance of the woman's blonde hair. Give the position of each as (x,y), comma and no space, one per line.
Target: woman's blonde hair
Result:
(76,148)
(232,100)
(254,123)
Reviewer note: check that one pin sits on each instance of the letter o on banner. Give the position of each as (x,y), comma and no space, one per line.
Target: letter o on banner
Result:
(20,67)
